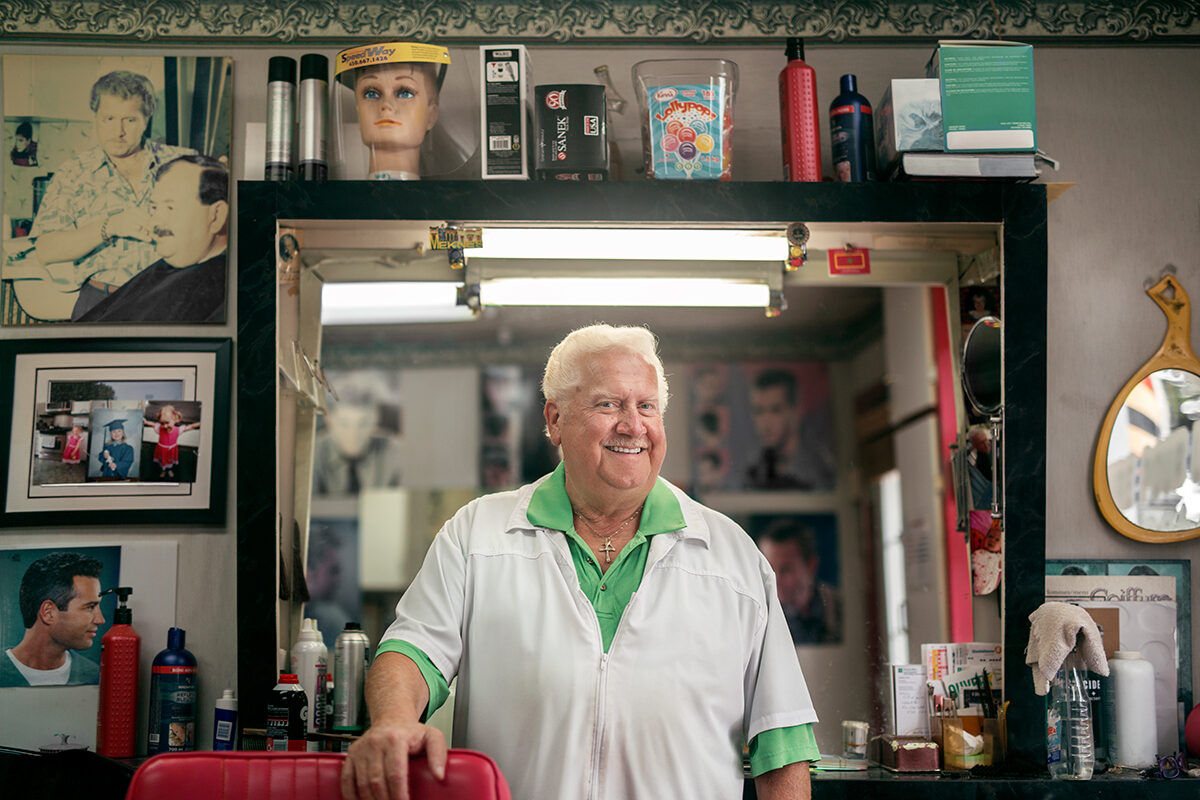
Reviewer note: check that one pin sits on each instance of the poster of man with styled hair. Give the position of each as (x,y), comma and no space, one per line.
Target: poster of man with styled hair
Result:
(122,214)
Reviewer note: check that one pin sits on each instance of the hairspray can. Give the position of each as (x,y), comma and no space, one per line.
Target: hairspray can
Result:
(287,715)
(852,134)
(799,117)
(281,118)
(309,663)
(314,111)
(225,722)
(172,726)
(120,649)
(351,660)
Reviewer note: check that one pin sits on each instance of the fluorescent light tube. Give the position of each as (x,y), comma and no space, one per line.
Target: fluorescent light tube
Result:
(376,303)
(710,292)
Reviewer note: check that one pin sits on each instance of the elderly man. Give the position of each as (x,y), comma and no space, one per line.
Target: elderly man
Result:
(93,223)
(60,606)
(189,213)
(612,638)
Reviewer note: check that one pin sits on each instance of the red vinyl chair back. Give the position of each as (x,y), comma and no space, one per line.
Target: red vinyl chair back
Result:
(257,775)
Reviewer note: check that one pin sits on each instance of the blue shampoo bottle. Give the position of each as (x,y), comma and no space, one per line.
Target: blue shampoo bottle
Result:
(852,134)
(172,724)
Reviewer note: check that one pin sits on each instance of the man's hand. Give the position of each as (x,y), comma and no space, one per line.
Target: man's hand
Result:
(376,765)
(132,223)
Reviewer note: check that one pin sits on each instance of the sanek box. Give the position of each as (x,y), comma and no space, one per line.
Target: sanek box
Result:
(503,100)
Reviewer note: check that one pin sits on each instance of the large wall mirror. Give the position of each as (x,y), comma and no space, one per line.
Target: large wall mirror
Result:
(829,420)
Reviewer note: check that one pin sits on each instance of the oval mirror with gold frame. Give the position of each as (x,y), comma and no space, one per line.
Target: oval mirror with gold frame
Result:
(1148,451)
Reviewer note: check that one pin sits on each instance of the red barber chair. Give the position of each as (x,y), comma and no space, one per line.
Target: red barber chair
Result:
(258,775)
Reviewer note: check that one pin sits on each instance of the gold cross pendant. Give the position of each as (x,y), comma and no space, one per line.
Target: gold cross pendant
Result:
(608,550)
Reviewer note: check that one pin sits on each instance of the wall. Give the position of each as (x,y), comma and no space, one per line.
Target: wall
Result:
(1120,119)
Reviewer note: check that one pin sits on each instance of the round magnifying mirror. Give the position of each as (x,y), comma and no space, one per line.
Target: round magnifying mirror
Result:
(981,372)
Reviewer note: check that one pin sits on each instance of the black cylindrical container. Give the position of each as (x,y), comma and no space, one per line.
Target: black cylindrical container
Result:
(314,116)
(287,715)
(570,131)
(281,118)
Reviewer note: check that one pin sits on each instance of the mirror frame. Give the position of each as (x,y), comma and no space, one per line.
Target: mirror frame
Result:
(1019,210)
(1175,352)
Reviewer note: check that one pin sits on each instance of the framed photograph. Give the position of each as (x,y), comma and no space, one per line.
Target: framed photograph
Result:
(113,431)
(116,182)
(762,425)
(803,551)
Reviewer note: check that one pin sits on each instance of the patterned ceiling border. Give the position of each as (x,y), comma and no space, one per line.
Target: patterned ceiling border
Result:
(563,21)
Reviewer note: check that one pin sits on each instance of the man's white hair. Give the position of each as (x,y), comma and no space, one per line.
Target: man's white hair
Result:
(564,368)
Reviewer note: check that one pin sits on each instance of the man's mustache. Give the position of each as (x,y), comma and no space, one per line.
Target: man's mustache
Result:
(163,231)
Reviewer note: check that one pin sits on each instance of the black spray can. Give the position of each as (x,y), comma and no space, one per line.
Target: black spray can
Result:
(287,715)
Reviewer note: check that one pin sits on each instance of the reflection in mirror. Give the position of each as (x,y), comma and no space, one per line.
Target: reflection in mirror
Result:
(1144,470)
(982,365)
(814,429)
(1150,452)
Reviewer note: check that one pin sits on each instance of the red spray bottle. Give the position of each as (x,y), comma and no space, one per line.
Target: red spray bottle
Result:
(116,728)
(799,116)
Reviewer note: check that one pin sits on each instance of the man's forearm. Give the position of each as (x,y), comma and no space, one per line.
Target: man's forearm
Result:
(396,689)
(69,245)
(790,782)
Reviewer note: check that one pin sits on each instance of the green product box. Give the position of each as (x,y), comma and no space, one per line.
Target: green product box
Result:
(988,100)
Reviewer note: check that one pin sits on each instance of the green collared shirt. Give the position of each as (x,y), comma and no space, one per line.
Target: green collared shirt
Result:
(609,593)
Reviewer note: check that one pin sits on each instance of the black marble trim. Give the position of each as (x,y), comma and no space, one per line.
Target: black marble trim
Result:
(1020,208)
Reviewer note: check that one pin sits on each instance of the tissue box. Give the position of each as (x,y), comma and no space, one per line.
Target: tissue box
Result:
(906,753)
(987,95)
(908,119)
(504,96)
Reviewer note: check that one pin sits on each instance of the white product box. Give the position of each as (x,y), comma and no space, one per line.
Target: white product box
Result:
(503,114)
(908,119)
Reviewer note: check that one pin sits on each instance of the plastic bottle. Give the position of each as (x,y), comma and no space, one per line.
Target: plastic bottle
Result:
(281,118)
(309,663)
(314,112)
(120,659)
(852,134)
(172,725)
(1130,708)
(225,722)
(799,117)
(1069,752)
(287,715)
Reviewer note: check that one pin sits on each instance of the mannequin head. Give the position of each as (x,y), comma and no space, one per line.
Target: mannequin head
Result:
(397,105)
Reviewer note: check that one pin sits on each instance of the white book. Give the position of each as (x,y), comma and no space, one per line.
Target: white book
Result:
(968,165)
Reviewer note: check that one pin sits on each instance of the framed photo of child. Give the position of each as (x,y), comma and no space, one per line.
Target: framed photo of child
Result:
(105,431)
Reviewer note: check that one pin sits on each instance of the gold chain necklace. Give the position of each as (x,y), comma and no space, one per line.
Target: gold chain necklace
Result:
(607,547)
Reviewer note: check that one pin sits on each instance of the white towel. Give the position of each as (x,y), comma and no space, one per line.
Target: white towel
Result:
(1055,630)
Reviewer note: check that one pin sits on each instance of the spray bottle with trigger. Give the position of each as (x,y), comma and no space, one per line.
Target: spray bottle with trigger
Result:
(116,725)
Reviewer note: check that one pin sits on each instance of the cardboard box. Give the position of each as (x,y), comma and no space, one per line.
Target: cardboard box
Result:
(503,117)
(907,120)
(987,92)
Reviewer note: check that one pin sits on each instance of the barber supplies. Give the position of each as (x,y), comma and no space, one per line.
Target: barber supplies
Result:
(287,714)
(225,722)
(798,116)
(281,118)
(116,727)
(351,659)
(314,113)
(309,663)
(172,725)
